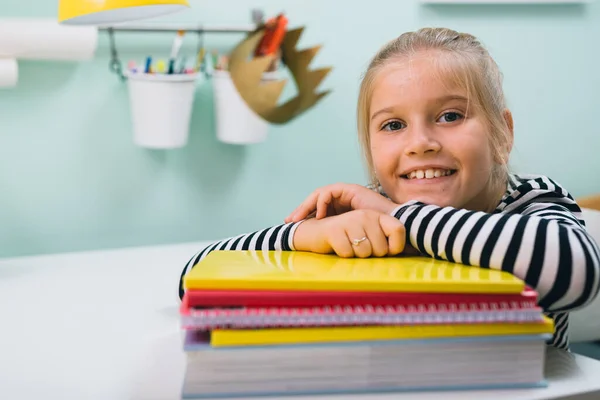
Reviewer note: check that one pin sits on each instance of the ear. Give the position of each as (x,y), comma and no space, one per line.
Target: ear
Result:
(509,123)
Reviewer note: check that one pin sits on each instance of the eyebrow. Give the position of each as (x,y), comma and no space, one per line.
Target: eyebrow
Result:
(386,110)
(441,100)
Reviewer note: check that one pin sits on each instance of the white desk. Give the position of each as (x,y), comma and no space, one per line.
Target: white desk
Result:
(83,326)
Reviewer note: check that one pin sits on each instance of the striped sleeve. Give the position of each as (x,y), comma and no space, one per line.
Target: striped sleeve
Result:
(545,244)
(276,238)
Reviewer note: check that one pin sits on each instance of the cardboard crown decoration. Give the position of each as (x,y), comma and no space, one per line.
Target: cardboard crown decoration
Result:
(262,96)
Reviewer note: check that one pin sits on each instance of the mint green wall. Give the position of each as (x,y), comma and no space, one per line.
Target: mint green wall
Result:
(71,179)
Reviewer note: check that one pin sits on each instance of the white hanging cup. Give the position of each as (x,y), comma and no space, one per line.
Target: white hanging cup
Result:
(161,108)
(236,123)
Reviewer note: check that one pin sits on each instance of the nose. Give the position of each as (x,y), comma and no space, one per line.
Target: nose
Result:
(421,141)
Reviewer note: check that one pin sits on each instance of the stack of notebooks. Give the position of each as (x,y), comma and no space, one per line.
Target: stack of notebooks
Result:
(288,323)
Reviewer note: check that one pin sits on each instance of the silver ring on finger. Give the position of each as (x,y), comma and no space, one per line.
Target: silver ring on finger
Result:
(356,242)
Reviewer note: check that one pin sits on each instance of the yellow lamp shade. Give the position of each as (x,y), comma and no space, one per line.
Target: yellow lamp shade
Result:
(99,12)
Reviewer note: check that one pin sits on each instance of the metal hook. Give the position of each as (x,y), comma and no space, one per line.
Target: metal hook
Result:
(115,64)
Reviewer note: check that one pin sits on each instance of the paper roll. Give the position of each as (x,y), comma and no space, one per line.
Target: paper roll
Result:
(46,39)
(9,72)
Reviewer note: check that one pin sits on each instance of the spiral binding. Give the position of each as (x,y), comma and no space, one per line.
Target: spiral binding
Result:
(526,311)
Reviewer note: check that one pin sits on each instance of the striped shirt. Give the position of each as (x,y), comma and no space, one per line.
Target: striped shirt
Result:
(535,233)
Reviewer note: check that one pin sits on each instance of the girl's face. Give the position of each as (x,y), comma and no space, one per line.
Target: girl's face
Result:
(424,144)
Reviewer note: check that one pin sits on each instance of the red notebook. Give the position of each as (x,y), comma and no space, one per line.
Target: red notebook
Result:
(272,298)
(436,309)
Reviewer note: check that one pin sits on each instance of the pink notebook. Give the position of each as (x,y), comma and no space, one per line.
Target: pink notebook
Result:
(274,298)
(485,310)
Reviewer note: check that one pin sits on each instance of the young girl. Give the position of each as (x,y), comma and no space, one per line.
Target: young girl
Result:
(436,135)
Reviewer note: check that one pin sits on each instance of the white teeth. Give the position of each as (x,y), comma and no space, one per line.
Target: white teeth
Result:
(428,174)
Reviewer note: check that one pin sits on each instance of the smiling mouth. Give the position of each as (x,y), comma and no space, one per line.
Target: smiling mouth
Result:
(428,173)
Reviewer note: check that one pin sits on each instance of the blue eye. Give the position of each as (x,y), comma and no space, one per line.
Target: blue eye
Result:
(393,126)
(451,117)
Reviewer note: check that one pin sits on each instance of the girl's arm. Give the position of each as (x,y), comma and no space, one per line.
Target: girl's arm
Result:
(276,238)
(545,244)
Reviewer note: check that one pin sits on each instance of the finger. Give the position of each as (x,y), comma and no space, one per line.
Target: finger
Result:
(305,208)
(356,232)
(323,202)
(311,215)
(377,238)
(340,244)
(339,198)
(395,233)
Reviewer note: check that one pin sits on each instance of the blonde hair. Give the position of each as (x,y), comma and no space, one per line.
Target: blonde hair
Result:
(462,59)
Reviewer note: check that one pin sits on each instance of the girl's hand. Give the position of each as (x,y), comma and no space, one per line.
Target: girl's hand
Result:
(338,199)
(358,233)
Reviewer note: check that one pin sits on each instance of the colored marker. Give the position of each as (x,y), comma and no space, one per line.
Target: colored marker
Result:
(148,65)
(160,66)
(215,58)
(175,50)
(200,60)
(182,65)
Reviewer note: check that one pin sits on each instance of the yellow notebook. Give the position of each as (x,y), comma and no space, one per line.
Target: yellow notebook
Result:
(289,336)
(294,270)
